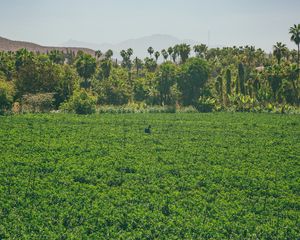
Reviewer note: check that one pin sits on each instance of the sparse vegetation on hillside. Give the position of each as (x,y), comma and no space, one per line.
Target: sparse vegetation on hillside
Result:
(13,46)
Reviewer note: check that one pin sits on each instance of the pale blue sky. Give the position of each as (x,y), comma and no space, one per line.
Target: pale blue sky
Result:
(230,22)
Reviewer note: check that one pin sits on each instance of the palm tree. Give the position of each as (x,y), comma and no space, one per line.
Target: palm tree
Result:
(150,51)
(174,56)
(184,51)
(86,67)
(109,53)
(165,54)
(150,64)
(129,52)
(126,57)
(98,54)
(127,63)
(279,50)
(295,37)
(123,54)
(156,55)
(138,65)
(170,51)
(200,50)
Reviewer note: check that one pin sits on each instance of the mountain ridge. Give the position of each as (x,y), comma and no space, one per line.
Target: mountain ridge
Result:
(139,45)
(13,45)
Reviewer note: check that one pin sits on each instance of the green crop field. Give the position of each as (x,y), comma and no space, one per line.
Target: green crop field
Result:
(196,176)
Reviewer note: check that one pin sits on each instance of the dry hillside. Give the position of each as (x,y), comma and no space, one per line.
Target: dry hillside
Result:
(10,45)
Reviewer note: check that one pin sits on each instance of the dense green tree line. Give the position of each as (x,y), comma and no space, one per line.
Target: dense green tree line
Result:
(224,75)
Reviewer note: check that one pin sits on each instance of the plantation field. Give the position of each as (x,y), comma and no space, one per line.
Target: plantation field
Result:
(196,176)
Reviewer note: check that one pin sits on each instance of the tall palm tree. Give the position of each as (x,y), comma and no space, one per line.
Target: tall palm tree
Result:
(170,51)
(295,37)
(126,57)
(129,52)
(183,50)
(123,54)
(127,63)
(86,67)
(279,51)
(165,54)
(98,54)
(138,65)
(109,53)
(200,50)
(174,56)
(156,55)
(150,51)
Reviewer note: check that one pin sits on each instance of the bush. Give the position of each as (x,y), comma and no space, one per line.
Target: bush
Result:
(162,109)
(6,97)
(81,102)
(188,109)
(136,108)
(243,103)
(36,103)
(206,104)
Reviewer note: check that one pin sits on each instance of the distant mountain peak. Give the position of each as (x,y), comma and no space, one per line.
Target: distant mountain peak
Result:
(139,45)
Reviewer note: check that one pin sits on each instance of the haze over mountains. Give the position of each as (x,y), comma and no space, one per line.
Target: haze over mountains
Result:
(139,45)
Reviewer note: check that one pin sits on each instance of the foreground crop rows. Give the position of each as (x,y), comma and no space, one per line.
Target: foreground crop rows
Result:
(197,176)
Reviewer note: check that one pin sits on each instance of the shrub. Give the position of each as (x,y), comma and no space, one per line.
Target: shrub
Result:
(82,102)
(162,109)
(136,108)
(188,109)
(35,103)
(16,108)
(206,104)
(6,97)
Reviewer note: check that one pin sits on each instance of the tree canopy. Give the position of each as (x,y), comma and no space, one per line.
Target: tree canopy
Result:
(228,77)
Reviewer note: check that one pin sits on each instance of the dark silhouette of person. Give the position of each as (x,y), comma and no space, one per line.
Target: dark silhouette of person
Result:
(148,130)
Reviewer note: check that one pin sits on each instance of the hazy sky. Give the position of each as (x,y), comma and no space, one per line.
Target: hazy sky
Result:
(230,22)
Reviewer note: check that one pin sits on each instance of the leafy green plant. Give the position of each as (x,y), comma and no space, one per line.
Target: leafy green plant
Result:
(206,104)
(37,103)
(82,102)
(6,96)
(243,103)
(196,176)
